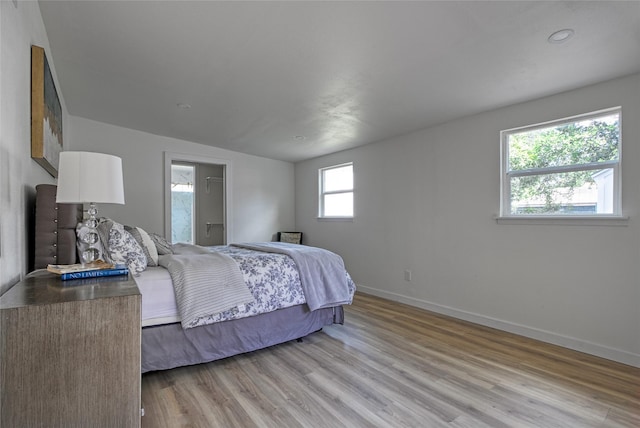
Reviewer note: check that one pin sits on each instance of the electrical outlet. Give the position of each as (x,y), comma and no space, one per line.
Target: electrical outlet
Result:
(407,275)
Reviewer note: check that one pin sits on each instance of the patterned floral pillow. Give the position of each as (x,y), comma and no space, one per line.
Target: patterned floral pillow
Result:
(147,245)
(123,248)
(104,227)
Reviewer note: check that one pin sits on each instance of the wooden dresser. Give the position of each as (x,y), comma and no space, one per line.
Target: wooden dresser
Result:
(70,353)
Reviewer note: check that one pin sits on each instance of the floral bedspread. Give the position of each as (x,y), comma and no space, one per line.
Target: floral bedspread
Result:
(272,278)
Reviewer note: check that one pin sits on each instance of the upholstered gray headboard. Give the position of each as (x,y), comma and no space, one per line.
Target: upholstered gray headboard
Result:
(55,228)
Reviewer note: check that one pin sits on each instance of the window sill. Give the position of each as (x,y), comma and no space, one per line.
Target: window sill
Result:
(566,220)
(335,219)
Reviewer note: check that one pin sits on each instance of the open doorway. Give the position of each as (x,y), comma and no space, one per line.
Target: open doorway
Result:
(196,192)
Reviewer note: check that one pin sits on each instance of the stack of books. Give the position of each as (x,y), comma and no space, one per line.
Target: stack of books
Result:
(95,269)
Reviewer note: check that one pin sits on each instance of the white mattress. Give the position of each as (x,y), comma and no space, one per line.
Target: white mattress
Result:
(158,299)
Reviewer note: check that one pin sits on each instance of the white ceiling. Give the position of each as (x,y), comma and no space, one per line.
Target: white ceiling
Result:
(295,80)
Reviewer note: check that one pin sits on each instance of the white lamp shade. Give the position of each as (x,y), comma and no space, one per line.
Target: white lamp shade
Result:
(85,177)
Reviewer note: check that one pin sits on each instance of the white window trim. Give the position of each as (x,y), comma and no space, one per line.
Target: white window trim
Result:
(321,194)
(505,217)
(582,220)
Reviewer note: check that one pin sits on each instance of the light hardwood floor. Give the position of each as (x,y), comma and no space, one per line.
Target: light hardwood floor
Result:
(393,365)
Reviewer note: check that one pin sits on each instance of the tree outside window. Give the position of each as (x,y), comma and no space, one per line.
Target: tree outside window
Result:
(567,167)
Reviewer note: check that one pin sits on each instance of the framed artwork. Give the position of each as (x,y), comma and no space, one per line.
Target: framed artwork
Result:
(46,114)
(290,237)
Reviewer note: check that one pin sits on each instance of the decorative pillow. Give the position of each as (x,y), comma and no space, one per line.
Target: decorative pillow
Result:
(104,227)
(146,243)
(123,248)
(162,245)
(290,237)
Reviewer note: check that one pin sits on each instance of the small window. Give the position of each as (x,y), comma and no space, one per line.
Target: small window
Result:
(569,167)
(336,191)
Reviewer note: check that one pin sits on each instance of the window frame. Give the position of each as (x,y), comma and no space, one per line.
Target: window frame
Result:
(506,175)
(322,193)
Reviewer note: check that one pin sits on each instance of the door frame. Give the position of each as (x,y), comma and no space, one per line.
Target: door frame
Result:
(169,158)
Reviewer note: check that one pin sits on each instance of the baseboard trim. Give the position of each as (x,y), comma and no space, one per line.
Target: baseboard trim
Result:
(613,354)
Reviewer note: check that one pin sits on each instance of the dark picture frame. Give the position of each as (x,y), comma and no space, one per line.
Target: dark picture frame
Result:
(290,237)
(46,114)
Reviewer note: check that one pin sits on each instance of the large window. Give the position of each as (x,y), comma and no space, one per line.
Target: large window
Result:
(336,191)
(569,167)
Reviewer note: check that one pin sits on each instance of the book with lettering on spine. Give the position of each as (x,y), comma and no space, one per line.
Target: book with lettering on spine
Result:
(102,280)
(94,273)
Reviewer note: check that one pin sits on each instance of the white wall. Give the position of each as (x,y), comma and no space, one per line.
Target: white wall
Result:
(20,27)
(262,189)
(426,202)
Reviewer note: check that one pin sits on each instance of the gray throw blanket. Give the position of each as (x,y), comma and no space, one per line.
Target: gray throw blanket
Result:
(205,282)
(322,273)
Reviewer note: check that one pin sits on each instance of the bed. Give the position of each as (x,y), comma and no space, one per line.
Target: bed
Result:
(166,343)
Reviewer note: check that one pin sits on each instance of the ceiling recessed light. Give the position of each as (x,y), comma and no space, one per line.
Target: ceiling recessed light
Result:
(561,36)
(183,106)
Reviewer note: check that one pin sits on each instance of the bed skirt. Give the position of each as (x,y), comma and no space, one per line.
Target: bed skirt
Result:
(169,346)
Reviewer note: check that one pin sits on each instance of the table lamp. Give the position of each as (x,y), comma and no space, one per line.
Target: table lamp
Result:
(90,178)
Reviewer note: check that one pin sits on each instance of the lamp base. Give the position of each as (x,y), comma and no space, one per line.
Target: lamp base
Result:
(91,253)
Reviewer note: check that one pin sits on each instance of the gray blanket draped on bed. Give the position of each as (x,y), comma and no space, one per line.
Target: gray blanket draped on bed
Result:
(205,282)
(323,276)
